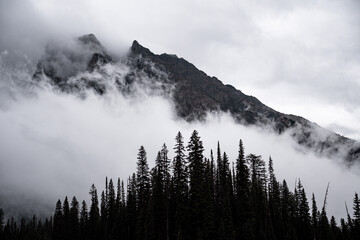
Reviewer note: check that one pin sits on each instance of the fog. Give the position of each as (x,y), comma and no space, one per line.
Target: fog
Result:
(306,52)
(54,144)
(300,57)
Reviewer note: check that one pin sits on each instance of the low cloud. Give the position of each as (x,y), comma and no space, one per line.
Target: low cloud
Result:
(305,52)
(55,144)
(300,57)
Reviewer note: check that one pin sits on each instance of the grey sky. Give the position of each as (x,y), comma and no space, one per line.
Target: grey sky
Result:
(300,57)
(55,145)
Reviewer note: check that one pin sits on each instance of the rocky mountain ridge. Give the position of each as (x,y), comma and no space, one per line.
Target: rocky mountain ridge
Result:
(193,92)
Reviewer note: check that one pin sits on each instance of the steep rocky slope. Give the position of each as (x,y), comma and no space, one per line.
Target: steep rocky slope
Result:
(193,92)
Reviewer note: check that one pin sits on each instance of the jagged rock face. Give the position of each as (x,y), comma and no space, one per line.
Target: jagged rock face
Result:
(62,62)
(196,93)
(193,92)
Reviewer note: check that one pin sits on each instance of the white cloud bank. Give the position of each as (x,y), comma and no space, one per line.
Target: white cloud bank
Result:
(55,145)
(300,57)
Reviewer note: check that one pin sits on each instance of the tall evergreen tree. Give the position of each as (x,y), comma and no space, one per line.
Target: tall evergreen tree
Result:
(274,200)
(158,208)
(131,208)
(143,179)
(258,194)
(74,219)
(84,219)
(94,214)
(315,218)
(106,193)
(224,189)
(209,201)
(334,229)
(303,217)
(58,229)
(143,192)
(164,174)
(345,231)
(356,207)
(350,224)
(104,213)
(196,191)
(111,208)
(180,189)
(324,226)
(120,222)
(287,207)
(242,199)
(119,199)
(66,218)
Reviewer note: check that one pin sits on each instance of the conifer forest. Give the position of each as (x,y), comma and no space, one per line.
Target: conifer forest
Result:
(191,197)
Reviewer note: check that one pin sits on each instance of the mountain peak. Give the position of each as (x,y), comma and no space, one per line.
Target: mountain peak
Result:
(137,49)
(194,93)
(89,39)
(135,43)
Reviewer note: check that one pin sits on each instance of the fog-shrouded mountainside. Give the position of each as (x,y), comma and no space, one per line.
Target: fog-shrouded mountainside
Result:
(88,65)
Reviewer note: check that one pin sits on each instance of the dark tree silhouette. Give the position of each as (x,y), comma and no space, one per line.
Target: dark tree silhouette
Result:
(196,191)
(202,198)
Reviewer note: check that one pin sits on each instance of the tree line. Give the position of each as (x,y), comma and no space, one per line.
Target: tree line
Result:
(191,197)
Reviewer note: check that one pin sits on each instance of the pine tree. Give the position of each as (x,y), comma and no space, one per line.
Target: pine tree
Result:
(22,232)
(131,207)
(315,218)
(345,231)
(334,229)
(158,221)
(58,231)
(219,170)
(143,179)
(350,224)
(242,199)
(224,194)
(287,207)
(84,219)
(111,208)
(106,193)
(118,213)
(66,218)
(258,192)
(257,171)
(356,207)
(165,175)
(94,214)
(209,227)
(165,168)
(143,193)
(303,218)
(275,202)
(196,191)
(324,226)
(180,189)
(120,223)
(104,212)
(118,201)
(74,219)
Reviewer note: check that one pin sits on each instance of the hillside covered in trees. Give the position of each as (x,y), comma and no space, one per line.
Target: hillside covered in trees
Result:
(191,197)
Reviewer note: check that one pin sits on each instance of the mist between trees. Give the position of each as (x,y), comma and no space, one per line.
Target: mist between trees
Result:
(192,197)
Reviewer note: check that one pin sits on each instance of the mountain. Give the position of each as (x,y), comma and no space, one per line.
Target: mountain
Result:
(85,66)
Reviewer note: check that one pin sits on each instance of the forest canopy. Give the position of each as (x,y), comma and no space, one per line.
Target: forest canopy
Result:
(191,197)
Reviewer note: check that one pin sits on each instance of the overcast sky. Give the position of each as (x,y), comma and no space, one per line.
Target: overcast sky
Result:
(300,57)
